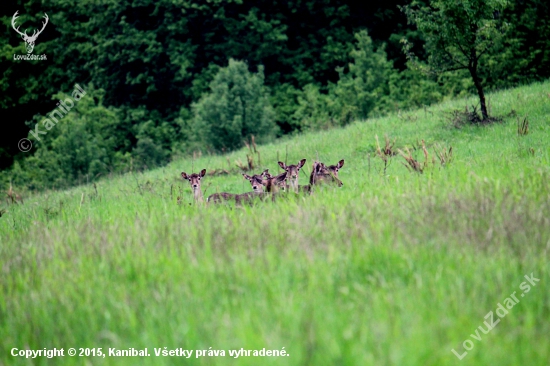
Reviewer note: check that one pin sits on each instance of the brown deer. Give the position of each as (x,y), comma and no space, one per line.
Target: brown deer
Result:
(335,168)
(220,197)
(326,174)
(195,181)
(293,173)
(257,181)
(320,173)
(274,183)
(12,196)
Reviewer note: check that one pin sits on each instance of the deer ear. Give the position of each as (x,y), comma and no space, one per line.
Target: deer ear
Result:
(302,162)
(281,178)
(247,177)
(340,163)
(282,165)
(265,172)
(203,172)
(184,175)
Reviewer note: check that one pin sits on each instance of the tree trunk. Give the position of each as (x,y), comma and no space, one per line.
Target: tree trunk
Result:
(479,87)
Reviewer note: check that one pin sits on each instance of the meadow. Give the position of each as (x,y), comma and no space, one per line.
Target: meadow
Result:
(393,268)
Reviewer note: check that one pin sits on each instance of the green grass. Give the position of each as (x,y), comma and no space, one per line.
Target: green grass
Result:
(391,269)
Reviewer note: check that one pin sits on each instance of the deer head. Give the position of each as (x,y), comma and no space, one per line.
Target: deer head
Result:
(292,173)
(195,182)
(327,174)
(29,40)
(258,181)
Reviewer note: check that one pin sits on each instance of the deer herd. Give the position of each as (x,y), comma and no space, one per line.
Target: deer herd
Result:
(265,185)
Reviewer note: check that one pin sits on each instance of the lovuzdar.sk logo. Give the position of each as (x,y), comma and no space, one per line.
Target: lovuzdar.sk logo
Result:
(29,40)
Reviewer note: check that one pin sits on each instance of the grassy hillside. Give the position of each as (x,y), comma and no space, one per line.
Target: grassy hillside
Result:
(394,268)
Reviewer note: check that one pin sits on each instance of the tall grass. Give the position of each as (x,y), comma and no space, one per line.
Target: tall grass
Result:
(394,268)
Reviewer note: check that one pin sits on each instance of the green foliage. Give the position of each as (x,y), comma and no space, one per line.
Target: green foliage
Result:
(524,53)
(285,102)
(154,59)
(156,138)
(411,88)
(363,91)
(390,269)
(236,108)
(81,146)
(159,56)
(458,34)
(360,93)
(315,110)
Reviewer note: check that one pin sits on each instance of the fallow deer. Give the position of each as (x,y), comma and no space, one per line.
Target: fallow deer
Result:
(320,173)
(293,173)
(274,183)
(257,183)
(335,168)
(195,181)
(13,197)
(326,174)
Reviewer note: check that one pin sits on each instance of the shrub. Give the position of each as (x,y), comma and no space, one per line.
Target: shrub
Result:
(315,110)
(237,107)
(80,147)
(364,89)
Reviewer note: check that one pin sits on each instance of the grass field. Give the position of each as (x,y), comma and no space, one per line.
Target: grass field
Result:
(394,268)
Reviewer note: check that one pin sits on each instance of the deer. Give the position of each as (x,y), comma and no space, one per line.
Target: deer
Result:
(320,173)
(29,40)
(220,197)
(12,196)
(195,181)
(335,168)
(274,183)
(292,174)
(326,174)
(258,183)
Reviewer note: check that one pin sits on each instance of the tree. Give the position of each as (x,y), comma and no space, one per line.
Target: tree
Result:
(363,90)
(458,33)
(237,107)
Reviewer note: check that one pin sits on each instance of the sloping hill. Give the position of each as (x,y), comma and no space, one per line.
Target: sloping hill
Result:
(394,268)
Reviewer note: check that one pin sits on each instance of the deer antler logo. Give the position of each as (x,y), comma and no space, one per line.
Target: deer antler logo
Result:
(29,40)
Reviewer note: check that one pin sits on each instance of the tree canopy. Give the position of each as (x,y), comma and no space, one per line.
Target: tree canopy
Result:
(458,34)
(323,63)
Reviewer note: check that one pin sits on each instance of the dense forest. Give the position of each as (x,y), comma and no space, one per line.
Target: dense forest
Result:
(165,78)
